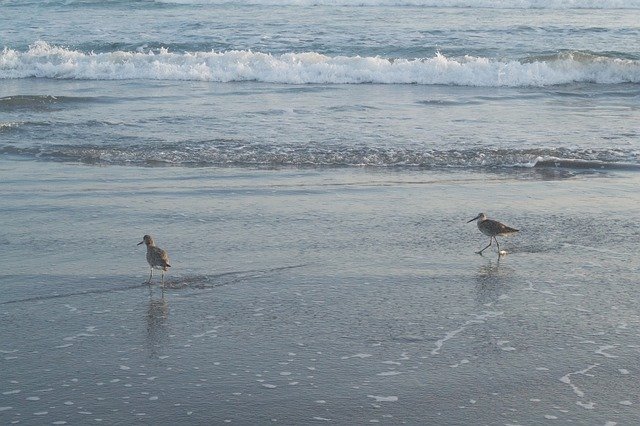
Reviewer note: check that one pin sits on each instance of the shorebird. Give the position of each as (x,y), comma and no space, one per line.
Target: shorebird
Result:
(156,257)
(492,228)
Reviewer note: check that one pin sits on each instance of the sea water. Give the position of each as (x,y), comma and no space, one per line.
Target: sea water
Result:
(310,167)
(321,83)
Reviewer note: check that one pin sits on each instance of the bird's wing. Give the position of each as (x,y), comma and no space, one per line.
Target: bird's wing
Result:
(504,229)
(163,256)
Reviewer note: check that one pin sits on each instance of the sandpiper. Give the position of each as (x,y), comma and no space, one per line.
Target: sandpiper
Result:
(492,228)
(156,257)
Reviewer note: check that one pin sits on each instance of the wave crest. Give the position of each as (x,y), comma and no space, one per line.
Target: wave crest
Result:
(47,61)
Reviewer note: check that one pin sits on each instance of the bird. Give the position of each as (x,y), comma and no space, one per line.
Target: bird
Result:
(492,228)
(156,257)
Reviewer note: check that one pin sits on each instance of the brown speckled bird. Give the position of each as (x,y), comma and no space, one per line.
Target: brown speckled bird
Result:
(156,257)
(492,228)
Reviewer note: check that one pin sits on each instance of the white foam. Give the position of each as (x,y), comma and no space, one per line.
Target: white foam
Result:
(458,364)
(579,392)
(383,398)
(502,344)
(480,319)
(48,61)
(361,356)
(601,351)
(586,405)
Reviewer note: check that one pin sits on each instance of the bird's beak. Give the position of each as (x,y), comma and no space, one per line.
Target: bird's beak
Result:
(140,242)
(475,218)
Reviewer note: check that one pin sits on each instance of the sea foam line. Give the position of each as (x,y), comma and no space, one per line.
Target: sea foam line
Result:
(480,319)
(237,153)
(48,61)
(579,392)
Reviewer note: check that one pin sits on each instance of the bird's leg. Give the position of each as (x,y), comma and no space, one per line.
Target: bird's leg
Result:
(150,275)
(490,242)
(162,281)
(497,243)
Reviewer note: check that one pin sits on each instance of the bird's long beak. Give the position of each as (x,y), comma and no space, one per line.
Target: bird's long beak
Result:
(140,242)
(475,218)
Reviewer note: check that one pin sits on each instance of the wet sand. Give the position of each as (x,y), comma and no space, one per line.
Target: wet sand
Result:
(299,296)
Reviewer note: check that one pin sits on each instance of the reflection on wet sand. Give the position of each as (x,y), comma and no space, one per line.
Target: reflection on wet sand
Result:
(492,282)
(157,326)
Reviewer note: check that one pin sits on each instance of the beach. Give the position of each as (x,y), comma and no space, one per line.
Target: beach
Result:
(311,168)
(300,296)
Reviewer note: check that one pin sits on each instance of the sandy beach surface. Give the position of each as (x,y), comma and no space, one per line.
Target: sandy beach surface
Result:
(350,296)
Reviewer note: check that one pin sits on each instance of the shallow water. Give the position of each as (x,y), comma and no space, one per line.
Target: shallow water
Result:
(256,124)
(299,296)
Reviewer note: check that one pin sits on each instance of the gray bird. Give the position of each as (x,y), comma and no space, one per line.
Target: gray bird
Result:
(156,257)
(492,228)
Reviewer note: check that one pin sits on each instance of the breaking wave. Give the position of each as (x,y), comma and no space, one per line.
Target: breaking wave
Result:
(43,60)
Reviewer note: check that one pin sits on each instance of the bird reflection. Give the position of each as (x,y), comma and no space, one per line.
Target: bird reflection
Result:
(157,326)
(492,282)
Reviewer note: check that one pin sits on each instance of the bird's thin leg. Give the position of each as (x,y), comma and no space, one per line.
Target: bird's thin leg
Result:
(498,244)
(162,282)
(150,275)
(490,242)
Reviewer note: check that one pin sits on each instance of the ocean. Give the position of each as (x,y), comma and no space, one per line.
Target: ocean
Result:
(310,167)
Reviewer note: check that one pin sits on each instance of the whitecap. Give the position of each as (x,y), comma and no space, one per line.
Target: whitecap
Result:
(50,61)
